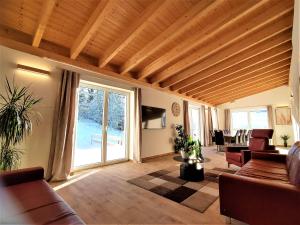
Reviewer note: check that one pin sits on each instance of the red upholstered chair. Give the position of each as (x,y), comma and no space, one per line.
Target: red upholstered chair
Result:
(259,142)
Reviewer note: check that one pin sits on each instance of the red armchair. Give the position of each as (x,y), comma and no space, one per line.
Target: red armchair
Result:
(259,142)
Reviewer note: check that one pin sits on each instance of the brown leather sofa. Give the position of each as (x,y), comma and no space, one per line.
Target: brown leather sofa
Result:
(26,198)
(266,190)
(259,141)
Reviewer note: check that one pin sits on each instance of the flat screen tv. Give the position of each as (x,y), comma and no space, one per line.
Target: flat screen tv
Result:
(153,118)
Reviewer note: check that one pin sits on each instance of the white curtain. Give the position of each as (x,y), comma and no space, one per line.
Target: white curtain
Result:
(204,119)
(186,120)
(270,117)
(227,119)
(137,142)
(61,152)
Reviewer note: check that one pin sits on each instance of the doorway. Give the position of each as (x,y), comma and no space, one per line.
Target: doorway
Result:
(102,126)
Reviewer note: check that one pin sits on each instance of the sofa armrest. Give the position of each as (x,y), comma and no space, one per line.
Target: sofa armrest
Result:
(269,156)
(21,176)
(258,201)
(235,148)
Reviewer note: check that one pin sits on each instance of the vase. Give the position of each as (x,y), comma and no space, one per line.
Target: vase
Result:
(285,143)
(183,154)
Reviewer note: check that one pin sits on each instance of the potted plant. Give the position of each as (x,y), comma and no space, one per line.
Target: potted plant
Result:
(186,145)
(285,138)
(15,123)
(181,142)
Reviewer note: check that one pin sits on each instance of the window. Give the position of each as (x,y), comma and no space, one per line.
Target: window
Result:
(101,125)
(195,123)
(255,118)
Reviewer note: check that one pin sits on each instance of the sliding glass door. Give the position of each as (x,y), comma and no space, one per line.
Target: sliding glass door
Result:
(101,126)
(116,126)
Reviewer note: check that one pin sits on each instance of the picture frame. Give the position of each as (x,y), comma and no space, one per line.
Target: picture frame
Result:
(283,115)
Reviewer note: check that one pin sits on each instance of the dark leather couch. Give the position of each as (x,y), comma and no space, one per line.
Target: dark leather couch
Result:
(259,141)
(266,190)
(26,198)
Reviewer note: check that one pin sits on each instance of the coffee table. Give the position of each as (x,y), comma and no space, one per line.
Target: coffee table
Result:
(190,172)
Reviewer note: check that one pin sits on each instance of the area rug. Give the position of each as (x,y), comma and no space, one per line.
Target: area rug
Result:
(195,195)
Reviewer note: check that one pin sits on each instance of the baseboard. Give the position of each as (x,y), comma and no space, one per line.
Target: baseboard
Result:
(157,156)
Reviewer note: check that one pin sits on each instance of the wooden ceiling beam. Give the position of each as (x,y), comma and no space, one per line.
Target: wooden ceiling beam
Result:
(260,60)
(133,30)
(21,42)
(216,24)
(231,73)
(250,83)
(46,12)
(230,61)
(236,82)
(223,82)
(101,11)
(250,92)
(173,31)
(237,31)
(254,92)
(237,92)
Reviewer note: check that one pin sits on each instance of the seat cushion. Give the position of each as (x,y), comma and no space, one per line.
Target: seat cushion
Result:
(263,169)
(235,156)
(36,202)
(258,144)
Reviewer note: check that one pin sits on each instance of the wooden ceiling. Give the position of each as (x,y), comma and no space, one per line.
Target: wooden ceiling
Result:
(213,51)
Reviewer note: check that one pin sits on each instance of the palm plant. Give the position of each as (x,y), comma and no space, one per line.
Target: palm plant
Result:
(285,138)
(15,123)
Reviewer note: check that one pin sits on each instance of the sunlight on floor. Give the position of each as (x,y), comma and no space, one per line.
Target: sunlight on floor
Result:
(73,180)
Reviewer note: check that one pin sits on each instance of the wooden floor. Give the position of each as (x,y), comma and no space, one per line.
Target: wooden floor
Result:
(102,196)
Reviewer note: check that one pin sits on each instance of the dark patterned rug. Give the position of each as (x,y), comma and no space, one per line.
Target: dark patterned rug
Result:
(196,195)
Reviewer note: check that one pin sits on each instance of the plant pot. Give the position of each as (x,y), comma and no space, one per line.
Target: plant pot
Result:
(184,155)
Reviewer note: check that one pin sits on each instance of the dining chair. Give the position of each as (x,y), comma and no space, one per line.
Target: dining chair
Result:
(212,136)
(235,139)
(219,137)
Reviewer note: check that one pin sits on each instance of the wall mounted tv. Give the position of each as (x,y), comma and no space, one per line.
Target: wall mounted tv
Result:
(153,118)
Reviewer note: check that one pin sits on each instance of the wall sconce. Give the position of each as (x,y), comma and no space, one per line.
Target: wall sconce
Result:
(32,69)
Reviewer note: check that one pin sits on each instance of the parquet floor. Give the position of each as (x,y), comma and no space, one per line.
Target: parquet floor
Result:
(102,195)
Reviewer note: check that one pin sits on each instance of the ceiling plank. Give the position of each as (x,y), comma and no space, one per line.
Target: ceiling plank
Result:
(246,84)
(10,39)
(236,32)
(133,30)
(226,80)
(215,25)
(251,92)
(99,14)
(46,12)
(232,79)
(230,73)
(236,82)
(254,92)
(178,27)
(264,36)
(260,60)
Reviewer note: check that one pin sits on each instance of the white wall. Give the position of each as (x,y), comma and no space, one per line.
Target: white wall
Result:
(276,97)
(160,141)
(294,82)
(37,146)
